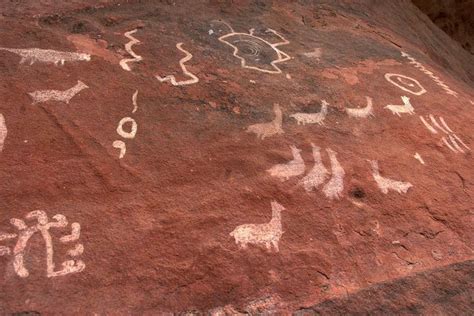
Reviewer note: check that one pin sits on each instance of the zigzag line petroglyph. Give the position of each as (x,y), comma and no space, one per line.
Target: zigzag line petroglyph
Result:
(333,189)
(405,83)
(274,127)
(50,56)
(312,118)
(57,95)
(3,131)
(451,140)
(386,184)
(318,174)
(172,78)
(290,169)
(362,113)
(405,108)
(128,47)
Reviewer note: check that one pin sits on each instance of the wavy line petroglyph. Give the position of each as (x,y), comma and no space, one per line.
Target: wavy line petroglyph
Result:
(386,184)
(172,78)
(363,112)
(405,83)
(312,118)
(399,109)
(333,189)
(263,130)
(290,169)
(3,131)
(451,140)
(128,47)
(57,95)
(48,56)
(267,234)
(318,174)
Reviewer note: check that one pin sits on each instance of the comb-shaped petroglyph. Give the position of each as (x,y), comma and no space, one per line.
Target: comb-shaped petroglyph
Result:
(263,130)
(451,140)
(333,189)
(57,95)
(172,78)
(405,108)
(312,118)
(267,234)
(386,184)
(290,169)
(42,226)
(365,112)
(47,56)
(128,47)
(318,174)
(405,83)
(3,131)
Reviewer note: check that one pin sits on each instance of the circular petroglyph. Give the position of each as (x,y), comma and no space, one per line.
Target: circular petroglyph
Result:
(405,83)
(133,129)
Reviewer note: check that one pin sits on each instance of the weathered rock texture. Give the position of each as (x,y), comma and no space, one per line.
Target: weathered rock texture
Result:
(157,196)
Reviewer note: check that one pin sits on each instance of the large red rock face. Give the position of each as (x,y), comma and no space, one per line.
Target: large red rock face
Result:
(230,157)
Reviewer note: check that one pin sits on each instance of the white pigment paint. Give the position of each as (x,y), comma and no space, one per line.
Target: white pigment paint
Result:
(133,129)
(3,131)
(312,118)
(171,78)
(405,83)
(386,184)
(47,56)
(57,95)
(134,101)
(400,109)
(333,189)
(365,112)
(419,158)
(290,169)
(451,140)
(128,47)
(121,146)
(263,130)
(318,174)
(428,126)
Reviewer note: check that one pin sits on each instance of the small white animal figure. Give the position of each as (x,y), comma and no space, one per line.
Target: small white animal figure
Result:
(48,56)
(312,118)
(274,127)
(290,169)
(405,108)
(333,189)
(57,95)
(363,112)
(3,131)
(386,184)
(318,174)
(267,234)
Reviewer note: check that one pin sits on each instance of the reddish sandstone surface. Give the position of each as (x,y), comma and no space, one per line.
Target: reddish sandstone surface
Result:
(155,224)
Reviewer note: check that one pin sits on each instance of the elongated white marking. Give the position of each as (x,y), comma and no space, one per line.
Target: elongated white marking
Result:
(57,95)
(318,174)
(462,143)
(47,56)
(363,112)
(134,101)
(435,123)
(172,78)
(386,184)
(121,146)
(428,126)
(455,144)
(128,47)
(399,109)
(293,168)
(312,118)
(445,124)
(133,130)
(333,189)
(263,130)
(445,141)
(3,131)
(419,158)
(405,83)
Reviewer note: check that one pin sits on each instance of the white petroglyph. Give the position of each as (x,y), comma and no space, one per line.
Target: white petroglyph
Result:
(405,108)
(436,79)
(267,234)
(3,131)
(428,126)
(121,146)
(128,47)
(290,169)
(274,127)
(451,140)
(318,174)
(76,251)
(57,95)
(42,227)
(134,101)
(363,112)
(333,189)
(405,83)
(312,118)
(47,56)
(172,78)
(419,158)
(316,53)
(386,184)
(133,130)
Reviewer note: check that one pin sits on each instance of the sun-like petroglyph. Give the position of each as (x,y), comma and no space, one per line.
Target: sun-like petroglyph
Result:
(128,47)
(267,234)
(48,56)
(254,52)
(436,79)
(418,157)
(127,134)
(290,169)
(386,184)
(450,139)
(263,130)
(42,226)
(405,83)
(312,118)
(405,108)
(172,78)
(365,112)
(333,189)
(318,174)
(57,95)
(3,131)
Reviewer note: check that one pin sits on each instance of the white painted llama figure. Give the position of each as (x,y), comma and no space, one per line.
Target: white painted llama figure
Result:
(267,234)
(47,56)
(312,118)
(333,189)
(386,184)
(274,127)
(290,169)
(318,174)
(405,108)
(57,95)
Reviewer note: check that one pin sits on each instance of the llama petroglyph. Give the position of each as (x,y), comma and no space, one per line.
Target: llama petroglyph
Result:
(42,227)
(333,189)
(267,234)
(451,140)
(172,78)
(386,184)
(3,131)
(365,112)
(263,130)
(128,47)
(318,174)
(57,95)
(405,108)
(47,56)
(312,118)
(290,169)
(405,83)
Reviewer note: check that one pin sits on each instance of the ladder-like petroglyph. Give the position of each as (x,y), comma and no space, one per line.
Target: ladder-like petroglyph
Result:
(48,56)
(333,189)
(318,174)
(365,112)
(405,108)
(450,139)
(128,47)
(263,130)
(267,234)
(126,134)
(3,131)
(171,78)
(57,95)
(312,118)
(42,227)
(290,169)
(405,83)
(386,184)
